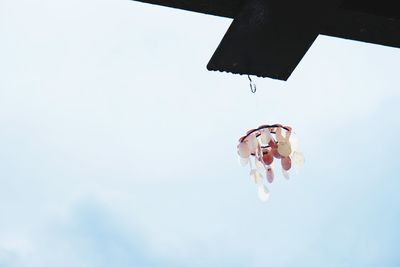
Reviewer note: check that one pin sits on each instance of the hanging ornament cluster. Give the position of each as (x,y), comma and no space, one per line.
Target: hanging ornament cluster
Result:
(262,147)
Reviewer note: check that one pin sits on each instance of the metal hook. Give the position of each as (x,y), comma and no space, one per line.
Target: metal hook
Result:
(253,86)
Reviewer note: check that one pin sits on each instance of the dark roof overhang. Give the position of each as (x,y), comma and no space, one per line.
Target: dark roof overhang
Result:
(268,38)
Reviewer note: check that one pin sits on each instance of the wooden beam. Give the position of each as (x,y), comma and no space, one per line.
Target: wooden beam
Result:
(371,21)
(222,8)
(269,38)
(365,27)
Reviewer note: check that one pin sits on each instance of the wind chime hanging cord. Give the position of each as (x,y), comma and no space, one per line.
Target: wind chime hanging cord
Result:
(253,86)
(264,144)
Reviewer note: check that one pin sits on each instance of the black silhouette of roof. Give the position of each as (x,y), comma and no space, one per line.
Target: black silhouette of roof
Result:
(268,38)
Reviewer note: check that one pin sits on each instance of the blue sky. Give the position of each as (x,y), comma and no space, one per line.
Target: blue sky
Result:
(118,147)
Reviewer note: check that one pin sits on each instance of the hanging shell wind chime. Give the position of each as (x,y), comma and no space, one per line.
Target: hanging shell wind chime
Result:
(262,147)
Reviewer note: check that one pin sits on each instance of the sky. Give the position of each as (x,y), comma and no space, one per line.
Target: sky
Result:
(118,147)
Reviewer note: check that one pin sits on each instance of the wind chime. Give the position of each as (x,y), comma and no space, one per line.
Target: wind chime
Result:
(262,147)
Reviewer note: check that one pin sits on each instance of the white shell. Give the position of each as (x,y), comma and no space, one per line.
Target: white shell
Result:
(294,142)
(243,161)
(256,176)
(284,148)
(285,174)
(253,142)
(243,150)
(265,137)
(263,193)
(298,158)
(259,166)
(279,135)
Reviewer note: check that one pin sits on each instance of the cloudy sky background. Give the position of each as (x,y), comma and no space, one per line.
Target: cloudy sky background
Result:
(118,147)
